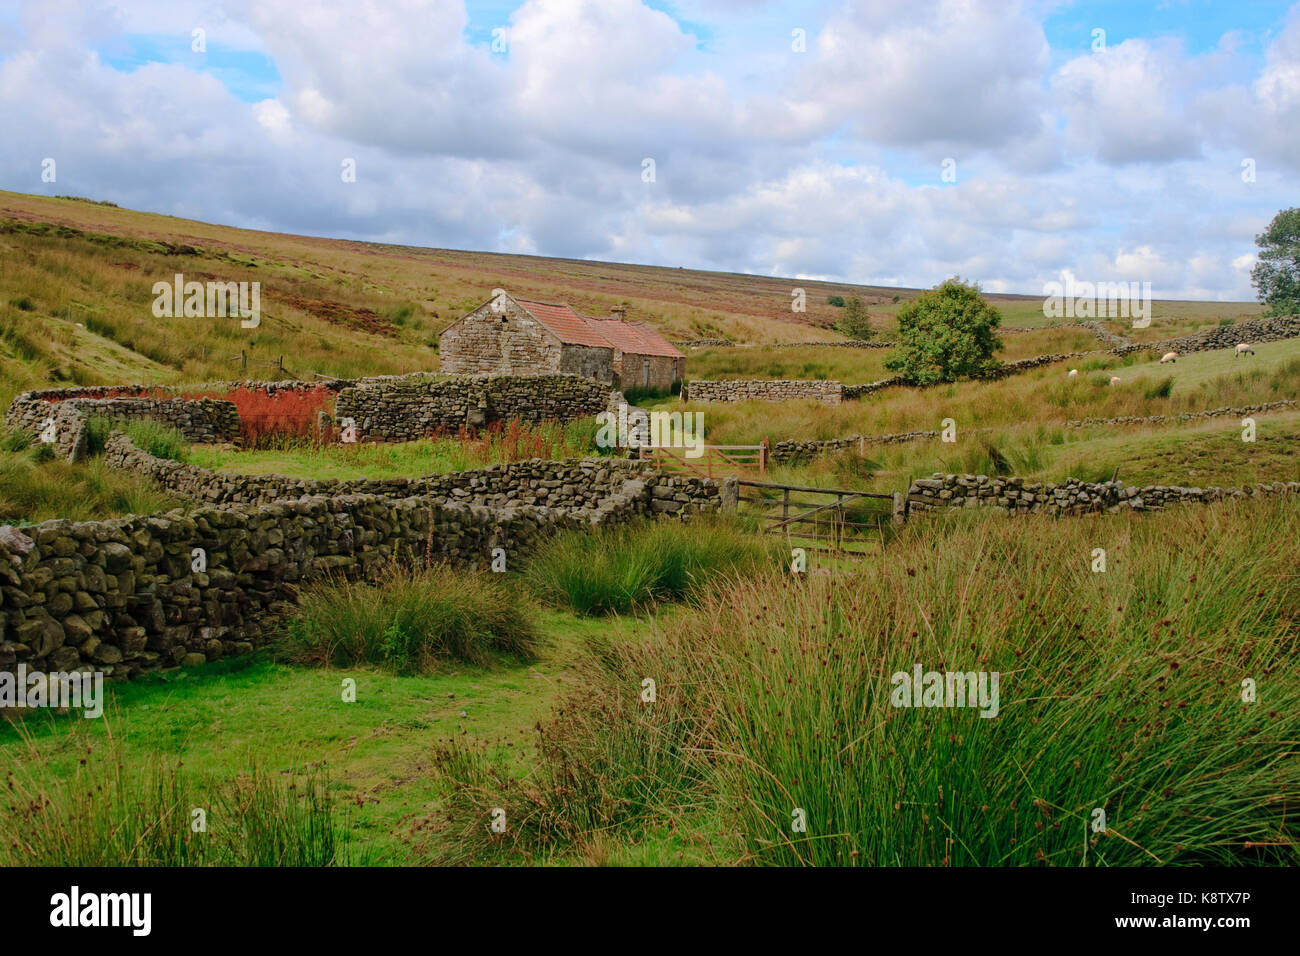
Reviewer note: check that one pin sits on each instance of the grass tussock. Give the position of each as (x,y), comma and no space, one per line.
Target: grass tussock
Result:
(622,569)
(158,438)
(35,486)
(413,622)
(109,813)
(1120,691)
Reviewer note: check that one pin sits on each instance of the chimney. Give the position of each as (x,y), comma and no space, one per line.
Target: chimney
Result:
(619,312)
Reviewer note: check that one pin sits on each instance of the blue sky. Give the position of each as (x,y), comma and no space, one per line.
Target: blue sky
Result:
(1122,163)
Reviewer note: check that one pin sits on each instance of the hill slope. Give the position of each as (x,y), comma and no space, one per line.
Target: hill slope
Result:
(76,279)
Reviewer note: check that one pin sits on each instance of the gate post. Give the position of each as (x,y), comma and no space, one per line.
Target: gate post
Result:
(730,497)
(900,507)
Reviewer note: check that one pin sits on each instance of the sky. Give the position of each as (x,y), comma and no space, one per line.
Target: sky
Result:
(885,142)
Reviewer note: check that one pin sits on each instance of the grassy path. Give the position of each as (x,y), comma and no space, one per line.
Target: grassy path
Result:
(221,717)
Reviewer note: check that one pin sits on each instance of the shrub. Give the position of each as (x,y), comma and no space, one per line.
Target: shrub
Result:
(513,440)
(400,315)
(412,621)
(23,304)
(856,321)
(945,334)
(835,300)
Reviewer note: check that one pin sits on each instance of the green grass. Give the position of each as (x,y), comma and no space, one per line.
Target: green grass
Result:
(221,717)
(413,621)
(1043,396)
(158,438)
(1200,452)
(635,567)
(589,773)
(403,459)
(35,487)
(1119,691)
(113,812)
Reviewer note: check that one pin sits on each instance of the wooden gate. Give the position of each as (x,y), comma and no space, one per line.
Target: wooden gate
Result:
(714,462)
(850,522)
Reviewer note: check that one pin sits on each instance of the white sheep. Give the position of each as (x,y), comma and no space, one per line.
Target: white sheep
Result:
(1074,373)
(1169,357)
(1114,380)
(1244,348)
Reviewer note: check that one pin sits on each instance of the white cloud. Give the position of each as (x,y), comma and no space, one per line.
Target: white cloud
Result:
(820,164)
(1124,104)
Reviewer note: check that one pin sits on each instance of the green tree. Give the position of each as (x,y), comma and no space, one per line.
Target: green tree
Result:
(945,334)
(856,321)
(1276,275)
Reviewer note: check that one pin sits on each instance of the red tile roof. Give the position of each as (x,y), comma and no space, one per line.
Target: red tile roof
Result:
(564,322)
(574,329)
(634,337)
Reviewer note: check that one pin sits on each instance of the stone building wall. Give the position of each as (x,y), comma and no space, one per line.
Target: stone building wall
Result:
(585,361)
(508,341)
(505,342)
(631,370)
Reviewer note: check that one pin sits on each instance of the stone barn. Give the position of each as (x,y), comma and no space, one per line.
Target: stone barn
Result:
(510,336)
(642,357)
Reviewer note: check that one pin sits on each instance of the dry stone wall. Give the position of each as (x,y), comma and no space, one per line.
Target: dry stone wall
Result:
(1017,496)
(1263,329)
(1237,412)
(767,390)
(124,597)
(794,450)
(572,484)
(854,392)
(202,420)
(411,408)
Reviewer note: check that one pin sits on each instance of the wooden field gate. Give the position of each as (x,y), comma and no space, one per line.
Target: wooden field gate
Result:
(849,522)
(715,462)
